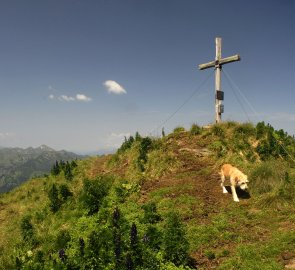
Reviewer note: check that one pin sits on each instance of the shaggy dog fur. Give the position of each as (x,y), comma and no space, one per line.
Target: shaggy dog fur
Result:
(236,177)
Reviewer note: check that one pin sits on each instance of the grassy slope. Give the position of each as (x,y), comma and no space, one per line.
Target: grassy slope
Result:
(181,174)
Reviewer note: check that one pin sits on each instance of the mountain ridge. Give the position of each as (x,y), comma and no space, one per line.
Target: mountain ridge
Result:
(20,164)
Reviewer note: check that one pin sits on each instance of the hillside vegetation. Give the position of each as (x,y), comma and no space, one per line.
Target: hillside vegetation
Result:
(157,204)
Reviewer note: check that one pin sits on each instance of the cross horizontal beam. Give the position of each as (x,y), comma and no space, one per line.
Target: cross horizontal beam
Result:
(220,62)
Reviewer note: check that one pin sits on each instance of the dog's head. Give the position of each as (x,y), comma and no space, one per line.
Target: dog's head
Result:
(243,182)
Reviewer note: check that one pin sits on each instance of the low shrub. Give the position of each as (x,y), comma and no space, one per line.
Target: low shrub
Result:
(55,202)
(266,177)
(195,129)
(150,213)
(219,148)
(218,130)
(27,229)
(244,130)
(175,244)
(94,191)
(178,130)
(62,238)
(65,192)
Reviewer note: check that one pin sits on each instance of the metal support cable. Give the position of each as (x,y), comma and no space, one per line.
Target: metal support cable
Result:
(197,90)
(237,98)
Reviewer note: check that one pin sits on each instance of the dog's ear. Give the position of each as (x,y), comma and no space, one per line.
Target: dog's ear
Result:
(247,181)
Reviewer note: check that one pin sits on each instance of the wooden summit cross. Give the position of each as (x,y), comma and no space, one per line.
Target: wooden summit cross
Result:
(219,95)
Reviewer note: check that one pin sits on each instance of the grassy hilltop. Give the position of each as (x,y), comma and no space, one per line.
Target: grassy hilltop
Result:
(157,204)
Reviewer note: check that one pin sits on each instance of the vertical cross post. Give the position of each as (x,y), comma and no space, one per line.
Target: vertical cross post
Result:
(218,107)
(217,64)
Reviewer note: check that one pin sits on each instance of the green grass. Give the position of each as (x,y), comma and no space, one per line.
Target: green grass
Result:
(259,255)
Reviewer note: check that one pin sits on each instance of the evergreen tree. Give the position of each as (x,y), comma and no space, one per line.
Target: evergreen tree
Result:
(145,146)
(55,170)
(137,137)
(65,192)
(68,171)
(55,202)
(175,243)
(73,164)
(27,228)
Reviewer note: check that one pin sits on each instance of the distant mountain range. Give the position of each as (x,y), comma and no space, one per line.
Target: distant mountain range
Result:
(18,165)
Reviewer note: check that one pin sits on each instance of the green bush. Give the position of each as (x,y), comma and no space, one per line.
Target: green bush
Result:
(153,238)
(150,213)
(178,130)
(68,172)
(98,254)
(126,144)
(266,177)
(231,124)
(219,148)
(260,130)
(65,192)
(55,202)
(65,167)
(195,130)
(274,143)
(125,189)
(146,144)
(244,130)
(218,130)
(62,238)
(175,244)
(27,229)
(93,193)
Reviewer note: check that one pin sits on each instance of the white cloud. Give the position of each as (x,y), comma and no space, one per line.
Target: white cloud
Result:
(78,97)
(82,97)
(114,87)
(65,98)
(115,140)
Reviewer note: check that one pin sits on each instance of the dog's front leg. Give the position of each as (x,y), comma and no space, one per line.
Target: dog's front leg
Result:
(222,183)
(233,190)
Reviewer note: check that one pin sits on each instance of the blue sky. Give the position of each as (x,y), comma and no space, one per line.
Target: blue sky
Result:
(81,75)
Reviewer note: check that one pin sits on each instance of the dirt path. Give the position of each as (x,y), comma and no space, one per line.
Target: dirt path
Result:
(199,173)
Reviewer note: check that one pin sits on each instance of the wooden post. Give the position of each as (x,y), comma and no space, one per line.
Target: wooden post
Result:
(217,80)
(217,64)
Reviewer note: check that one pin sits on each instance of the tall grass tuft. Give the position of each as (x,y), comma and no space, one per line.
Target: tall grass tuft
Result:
(218,130)
(195,129)
(244,130)
(178,129)
(266,177)
(272,181)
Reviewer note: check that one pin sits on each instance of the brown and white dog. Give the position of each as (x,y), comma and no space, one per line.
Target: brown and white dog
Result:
(236,177)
